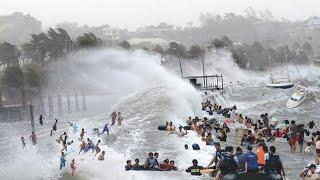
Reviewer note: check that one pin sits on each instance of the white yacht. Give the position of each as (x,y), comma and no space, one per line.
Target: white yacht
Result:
(298,97)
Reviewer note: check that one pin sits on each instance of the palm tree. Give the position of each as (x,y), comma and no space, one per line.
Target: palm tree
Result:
(88,40)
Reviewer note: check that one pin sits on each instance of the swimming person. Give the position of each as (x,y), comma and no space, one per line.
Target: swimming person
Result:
(113,118)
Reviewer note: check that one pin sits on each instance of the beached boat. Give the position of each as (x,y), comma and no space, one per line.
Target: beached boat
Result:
(298,97)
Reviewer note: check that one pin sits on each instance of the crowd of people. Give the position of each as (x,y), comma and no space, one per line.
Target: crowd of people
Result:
(84,145)
(151,164)
(253,156)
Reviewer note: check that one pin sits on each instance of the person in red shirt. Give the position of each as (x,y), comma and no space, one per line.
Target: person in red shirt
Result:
(277,133)
(165,166)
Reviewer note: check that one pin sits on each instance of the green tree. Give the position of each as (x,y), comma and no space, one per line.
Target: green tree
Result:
(9,54)
(125,45)
(307,48)
(13,79)
(194,51)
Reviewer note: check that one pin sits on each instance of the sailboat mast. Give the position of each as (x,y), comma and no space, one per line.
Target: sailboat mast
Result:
(270,66)
(285,55)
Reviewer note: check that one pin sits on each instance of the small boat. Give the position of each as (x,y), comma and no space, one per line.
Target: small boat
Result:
(298,97)
(280,84)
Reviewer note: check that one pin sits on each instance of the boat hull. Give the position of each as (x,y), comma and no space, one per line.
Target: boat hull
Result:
(280,85)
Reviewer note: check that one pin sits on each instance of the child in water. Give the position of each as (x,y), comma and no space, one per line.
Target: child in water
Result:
(72,167)
(308,151)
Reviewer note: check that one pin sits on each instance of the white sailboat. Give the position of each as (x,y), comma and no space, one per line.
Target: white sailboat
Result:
(298,97)
(283,83)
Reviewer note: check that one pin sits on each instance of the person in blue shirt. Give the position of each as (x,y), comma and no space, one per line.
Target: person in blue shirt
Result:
(151,162)
(251,164)
(63,160)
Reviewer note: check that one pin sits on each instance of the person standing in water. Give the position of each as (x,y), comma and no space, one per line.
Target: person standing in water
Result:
(41,120)
(74,126)
(63,160)
(64,141)
(23,141)
(82,146)
(81,134)
(105,129)
(72,166)
(33,138)
(119,118)
(97,147)
(113,118)
(54,128)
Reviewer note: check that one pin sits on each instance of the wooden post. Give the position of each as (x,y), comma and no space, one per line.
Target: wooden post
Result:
(84,107)
(50,105)
(1,104)
(31,117)
(76,98)
(222,80)
(68,101)
(59,105)
(42,105)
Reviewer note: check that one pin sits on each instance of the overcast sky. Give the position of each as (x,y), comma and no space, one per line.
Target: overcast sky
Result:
(135,13)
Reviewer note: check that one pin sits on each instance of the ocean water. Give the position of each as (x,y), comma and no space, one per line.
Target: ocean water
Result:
(148,95)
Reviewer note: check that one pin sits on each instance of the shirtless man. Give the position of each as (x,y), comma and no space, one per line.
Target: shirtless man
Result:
(33,138)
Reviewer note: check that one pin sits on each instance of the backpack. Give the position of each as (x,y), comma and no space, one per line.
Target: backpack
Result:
(241,161)
(273,165)
(228,165)
(195,146)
